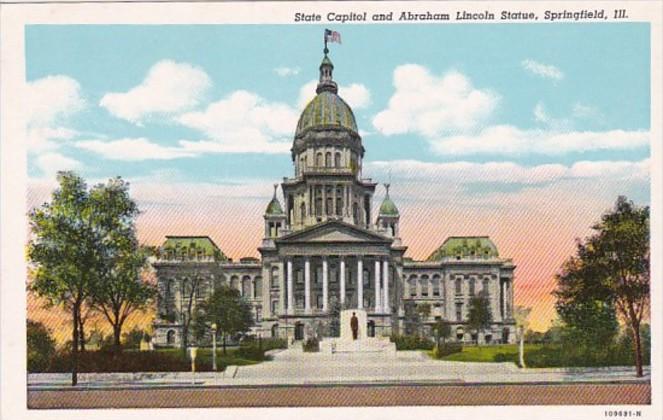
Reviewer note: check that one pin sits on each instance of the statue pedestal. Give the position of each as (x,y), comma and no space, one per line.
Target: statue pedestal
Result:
(363,344)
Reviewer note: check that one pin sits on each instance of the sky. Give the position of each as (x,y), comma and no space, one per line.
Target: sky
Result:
(524,132)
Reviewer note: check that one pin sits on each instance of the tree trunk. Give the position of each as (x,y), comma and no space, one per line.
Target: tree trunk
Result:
(81,333)
(635,327)
(224,344)
(74,346)
(117,345)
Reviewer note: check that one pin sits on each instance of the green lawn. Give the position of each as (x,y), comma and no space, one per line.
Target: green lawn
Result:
(204,357)
(489,353)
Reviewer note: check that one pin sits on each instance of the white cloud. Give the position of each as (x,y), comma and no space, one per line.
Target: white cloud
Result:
(168,88)
(510,140)
(507,172)
(287,71)
(242,121)
(546,71)
(431,106)
(356,95)
(51,99)
(50,102)
(133,149)
(50,163)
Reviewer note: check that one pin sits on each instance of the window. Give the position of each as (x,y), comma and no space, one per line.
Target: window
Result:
(412,284)
(436,285)
(246,286)
(274,306)
(318,159)
(339,201)
(257,287)
(170,337)
(274,281)
(318,301)
(328,159)
(485,288)
(460,334)
(459,286)
(472,286)
(337,159)
(299,275)
(234,282)
(258,314)
(302,211)
(424,286)
(459,312)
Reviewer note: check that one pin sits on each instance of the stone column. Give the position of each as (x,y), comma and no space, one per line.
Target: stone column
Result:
(502,299)
(342,280)
(386,305)
(360,283)
(378,307)
(291,290)
(325,284)
(307,285)
(281,289)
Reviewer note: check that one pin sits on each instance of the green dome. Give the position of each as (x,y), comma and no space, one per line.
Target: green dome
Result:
(274,207)
(326,110)
(388,208)
(465,246)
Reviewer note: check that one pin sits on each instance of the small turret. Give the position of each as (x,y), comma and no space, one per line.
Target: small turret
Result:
(388,216)
(275,217)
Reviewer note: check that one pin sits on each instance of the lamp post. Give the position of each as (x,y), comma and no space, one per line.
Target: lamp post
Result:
(193,351)
(214,346)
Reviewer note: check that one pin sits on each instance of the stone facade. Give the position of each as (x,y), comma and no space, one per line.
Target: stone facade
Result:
(322,247)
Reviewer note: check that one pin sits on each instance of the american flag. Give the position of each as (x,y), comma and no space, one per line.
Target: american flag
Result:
(332,36)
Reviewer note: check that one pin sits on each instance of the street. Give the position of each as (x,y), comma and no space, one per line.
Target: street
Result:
(345,395)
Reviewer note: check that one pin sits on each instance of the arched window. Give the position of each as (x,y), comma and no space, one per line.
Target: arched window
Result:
(246,286)
(234,282)
(318,159)
(275,330)
(329,205)
(170,337)
(257,287)
(274,280)
(412,285)
(337,159)
(328,159)
(436,285)
(339,201)
(424,286)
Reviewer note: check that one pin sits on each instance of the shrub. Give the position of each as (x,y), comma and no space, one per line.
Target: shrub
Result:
(40,347)
(412,342)
(311,345)
(447,349)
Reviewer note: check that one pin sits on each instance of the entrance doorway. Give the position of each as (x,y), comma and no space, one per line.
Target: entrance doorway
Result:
(299,331)
(371,328)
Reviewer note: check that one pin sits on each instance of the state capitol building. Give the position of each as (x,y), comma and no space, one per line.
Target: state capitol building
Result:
(320,246)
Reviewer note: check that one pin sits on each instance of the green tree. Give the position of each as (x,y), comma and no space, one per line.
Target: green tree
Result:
(120,289)
(611,268)
(411,318)
(63,250)
(40,346)
(228,310)
(479,316)
(442,331)
(423,310)
(335,308)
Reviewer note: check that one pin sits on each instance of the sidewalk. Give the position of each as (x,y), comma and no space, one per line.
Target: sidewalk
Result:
(294,367)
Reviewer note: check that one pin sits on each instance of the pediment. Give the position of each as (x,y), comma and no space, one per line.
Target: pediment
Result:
(334,231)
